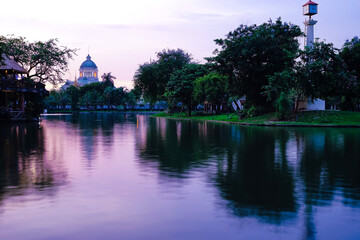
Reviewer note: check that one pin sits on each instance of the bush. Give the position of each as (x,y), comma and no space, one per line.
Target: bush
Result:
(251,111)
(282,106)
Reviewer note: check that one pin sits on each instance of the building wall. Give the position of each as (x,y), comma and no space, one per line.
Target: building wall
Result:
(317,104)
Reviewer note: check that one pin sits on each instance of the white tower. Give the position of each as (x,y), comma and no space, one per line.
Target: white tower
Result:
(310,8)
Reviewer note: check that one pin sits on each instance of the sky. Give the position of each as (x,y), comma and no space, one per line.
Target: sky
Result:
(121,35)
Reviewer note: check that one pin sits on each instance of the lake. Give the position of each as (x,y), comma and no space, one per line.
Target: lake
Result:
(131,176)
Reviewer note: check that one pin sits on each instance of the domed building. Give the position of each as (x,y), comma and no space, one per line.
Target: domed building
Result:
(88,72)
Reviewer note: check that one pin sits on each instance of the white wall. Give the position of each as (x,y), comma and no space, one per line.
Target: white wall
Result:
(317,104)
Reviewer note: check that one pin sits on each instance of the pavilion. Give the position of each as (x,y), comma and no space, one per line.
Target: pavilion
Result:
(19,97)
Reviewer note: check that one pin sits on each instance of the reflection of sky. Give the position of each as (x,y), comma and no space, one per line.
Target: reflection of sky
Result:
(130,194)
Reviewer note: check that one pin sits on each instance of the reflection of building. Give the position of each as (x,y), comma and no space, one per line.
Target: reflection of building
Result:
(88,72)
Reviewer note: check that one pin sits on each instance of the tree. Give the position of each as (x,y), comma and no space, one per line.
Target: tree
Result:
(95,87)
(51,101)
(109,96)
(44,61)
(282,106)
(320,73)
(350,53)
(251,53)
(133,96)
(181,85)
(89,94)
(108,80)
(120,96)
(151,78)
(73,93)
(211,88)
(89,99)
(145,79)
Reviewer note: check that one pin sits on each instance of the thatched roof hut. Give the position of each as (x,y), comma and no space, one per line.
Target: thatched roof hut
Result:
(10,64)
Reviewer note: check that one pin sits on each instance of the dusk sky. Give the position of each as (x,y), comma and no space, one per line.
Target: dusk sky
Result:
(121,35)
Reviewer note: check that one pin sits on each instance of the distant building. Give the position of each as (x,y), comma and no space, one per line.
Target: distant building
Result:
(67,84)
(88,72)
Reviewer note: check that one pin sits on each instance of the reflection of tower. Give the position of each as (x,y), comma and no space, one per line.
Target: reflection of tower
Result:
(310,8)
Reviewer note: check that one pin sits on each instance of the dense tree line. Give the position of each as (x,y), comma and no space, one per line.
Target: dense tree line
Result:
(262,62)
(94,95)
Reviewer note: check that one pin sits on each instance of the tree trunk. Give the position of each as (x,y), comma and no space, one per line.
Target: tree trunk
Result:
(297,104)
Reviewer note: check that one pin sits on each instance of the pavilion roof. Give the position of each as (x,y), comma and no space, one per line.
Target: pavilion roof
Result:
(10,64)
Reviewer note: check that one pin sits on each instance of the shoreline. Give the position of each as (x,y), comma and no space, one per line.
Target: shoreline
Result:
(266,124)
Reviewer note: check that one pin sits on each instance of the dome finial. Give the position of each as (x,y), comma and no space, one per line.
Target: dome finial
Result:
(88,57)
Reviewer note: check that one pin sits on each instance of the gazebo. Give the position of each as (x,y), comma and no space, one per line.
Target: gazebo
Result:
(18,95)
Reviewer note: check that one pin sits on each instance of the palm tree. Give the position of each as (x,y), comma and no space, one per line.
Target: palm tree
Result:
(108,80)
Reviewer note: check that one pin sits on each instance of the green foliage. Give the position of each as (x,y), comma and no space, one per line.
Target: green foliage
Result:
(134,96)
(181,85)
(89,99)
(350,53)
(108,80)
(91,95)
(73,94)
(251,111)
(251,53)
(211,88)
(44,61)
(319,73)
(152,78)
(282,106)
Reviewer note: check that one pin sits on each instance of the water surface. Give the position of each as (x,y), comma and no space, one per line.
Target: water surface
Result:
(127,176)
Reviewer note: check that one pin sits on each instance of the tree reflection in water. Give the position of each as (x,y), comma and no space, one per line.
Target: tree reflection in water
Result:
(276,178)
(23,167)
(273,174)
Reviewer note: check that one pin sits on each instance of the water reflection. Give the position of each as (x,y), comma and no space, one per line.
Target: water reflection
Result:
(125,172)
(22,163)
(275,174)
(247,175)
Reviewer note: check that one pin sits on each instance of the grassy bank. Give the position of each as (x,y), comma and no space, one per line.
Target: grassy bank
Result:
(323,118)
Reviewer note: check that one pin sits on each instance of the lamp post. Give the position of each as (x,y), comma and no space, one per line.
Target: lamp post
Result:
(309,9)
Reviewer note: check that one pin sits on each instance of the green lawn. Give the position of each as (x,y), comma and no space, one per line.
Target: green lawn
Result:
(303,118)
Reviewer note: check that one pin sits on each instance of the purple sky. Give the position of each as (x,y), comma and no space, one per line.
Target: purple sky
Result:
(123,34)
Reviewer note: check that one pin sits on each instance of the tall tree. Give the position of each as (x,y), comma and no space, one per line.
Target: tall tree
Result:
(350,53)
(211,88)
(250,53)
(44,61)
(181,85)
(120,96)
(319,73)
(151,78)
(73,94)
(108,80)
(145,80)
